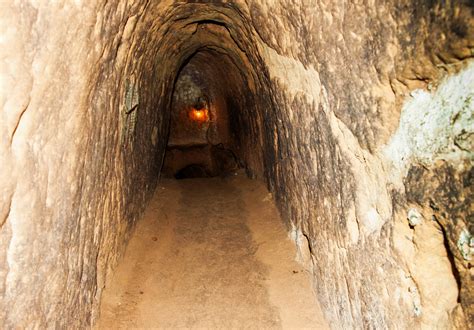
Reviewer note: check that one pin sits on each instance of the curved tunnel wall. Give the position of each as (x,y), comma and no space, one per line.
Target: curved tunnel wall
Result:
(87,89)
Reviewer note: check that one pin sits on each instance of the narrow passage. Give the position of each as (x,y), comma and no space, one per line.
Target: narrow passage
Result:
(210,253)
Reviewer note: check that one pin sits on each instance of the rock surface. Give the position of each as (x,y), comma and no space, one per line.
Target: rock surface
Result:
(85,94)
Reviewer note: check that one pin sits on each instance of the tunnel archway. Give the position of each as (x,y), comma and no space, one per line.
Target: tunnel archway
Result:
(223,46)
(211,85)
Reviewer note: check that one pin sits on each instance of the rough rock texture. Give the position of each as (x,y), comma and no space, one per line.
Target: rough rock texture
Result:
(76,169)
(327,164)
(85,101)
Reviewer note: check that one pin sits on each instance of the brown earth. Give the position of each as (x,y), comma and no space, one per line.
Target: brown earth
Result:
(210,253)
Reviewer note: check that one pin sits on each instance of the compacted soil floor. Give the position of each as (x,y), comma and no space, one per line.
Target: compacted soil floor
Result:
(210,253)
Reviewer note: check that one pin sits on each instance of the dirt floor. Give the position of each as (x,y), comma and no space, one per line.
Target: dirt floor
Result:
(210,253)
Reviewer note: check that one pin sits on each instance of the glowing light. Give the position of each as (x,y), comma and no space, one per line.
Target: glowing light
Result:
(200,115)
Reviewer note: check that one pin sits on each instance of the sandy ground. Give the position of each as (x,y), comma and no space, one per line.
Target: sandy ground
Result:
(210,253)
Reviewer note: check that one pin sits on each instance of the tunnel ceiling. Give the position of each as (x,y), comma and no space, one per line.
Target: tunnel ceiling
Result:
(193,27)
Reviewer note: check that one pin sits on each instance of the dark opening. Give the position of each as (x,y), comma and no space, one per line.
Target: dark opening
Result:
(201,142)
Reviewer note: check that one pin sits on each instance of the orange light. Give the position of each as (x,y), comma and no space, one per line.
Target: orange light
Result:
(199,115)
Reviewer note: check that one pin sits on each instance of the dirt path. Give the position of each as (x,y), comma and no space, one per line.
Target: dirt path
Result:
(210,253)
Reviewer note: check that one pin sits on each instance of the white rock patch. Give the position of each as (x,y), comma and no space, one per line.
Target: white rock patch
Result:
(436,125)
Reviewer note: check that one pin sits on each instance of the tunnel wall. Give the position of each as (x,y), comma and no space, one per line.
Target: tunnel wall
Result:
(76,169)
(332,85)
(332,164)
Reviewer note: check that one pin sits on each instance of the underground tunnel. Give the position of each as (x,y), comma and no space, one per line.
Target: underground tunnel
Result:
(208,89)
(262,164)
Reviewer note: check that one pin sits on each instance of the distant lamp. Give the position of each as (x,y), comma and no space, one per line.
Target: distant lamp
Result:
(199,115)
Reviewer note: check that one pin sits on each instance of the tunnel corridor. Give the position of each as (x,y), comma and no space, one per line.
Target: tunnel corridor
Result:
(210,253)
(208,96)
(262,164)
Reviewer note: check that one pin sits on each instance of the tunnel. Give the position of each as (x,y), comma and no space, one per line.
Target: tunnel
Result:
(245,164)
(209,95)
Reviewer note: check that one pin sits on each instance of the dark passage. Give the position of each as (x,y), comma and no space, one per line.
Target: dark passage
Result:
(201,141)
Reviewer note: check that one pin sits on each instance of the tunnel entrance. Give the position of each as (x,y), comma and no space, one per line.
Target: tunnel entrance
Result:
(201,142)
